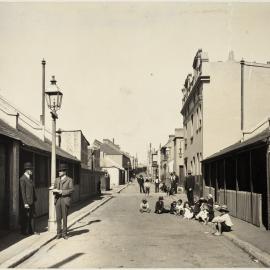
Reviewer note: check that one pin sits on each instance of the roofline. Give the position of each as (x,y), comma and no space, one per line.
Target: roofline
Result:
(201,79)
(240,148)
(75,130)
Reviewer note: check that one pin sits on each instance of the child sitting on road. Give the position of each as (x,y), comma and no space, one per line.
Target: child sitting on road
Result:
(188,213)
(203,214)
(179,208)
(223,221)
(173,208)
(144,206)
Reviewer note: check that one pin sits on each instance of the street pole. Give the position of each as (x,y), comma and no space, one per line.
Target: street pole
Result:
(52,215)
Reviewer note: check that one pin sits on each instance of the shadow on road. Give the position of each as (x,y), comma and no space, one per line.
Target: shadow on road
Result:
(88,223)
(74,233)
(69,259)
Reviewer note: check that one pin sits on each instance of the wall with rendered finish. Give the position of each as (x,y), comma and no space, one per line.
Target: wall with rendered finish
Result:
(221,106)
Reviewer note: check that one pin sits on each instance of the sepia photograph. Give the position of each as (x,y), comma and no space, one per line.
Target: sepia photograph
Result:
(134,134)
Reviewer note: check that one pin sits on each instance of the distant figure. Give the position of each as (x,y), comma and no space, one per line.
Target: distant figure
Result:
(28,196)
(141,183)
(99,187)
(144,206)
(156,185)
(175,182)
(189,187)
(223,222)
(147,187)
(210,203)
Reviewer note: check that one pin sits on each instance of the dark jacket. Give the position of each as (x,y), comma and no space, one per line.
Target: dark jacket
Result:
(159,206)
(190,182)
(27,190)
(67,188)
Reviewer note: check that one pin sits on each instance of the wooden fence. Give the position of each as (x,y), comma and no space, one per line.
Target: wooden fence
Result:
(244,205)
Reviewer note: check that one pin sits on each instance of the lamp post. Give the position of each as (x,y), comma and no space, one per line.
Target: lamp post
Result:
(54,101)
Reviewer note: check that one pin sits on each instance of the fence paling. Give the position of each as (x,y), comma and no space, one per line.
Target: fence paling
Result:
(243,209)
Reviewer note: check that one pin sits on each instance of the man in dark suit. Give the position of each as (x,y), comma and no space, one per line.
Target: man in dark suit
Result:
(28,198)
(141,184)
(189,187)
(63,188)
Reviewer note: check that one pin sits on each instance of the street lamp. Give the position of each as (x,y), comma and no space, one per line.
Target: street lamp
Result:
(54,101)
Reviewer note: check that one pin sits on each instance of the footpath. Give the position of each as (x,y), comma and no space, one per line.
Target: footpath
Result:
(14,248)
(252,239)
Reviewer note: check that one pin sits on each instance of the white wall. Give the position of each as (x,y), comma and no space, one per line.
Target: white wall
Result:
(114,176)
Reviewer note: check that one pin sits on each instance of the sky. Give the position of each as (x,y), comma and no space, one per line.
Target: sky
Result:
(121,65)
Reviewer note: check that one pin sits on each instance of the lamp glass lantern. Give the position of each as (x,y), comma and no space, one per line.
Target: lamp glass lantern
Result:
(54,96)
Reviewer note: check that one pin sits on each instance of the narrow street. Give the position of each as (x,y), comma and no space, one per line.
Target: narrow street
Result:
(117,235)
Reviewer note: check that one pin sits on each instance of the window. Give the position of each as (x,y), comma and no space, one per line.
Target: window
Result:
(191,127)
(197,120)
(200,116)
(194,165)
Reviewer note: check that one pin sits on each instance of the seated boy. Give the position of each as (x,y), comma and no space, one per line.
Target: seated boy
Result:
(144,206)
(173,208)
(223,221)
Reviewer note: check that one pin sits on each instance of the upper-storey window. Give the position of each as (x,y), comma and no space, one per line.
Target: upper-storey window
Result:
(191,126)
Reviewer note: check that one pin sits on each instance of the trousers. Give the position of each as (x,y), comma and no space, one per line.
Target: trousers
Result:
(190,197)
(27,223)
(61,214)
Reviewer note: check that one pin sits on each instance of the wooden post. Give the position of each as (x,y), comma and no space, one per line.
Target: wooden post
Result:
(225,188)
(268,183)
(236,182)
(251,184)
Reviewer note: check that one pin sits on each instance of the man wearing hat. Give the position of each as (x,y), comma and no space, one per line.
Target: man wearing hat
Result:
(223,221)
(63,188)
(189,187)
(28,198)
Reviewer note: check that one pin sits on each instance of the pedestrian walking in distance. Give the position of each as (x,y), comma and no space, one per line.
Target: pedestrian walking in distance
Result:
(189,187)
(63,188)
(147,187)
(28,198)
(156,185)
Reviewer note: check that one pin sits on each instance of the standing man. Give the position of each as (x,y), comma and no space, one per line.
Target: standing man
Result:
(175,182)
(189,187)
(141,183)
(28,196)
(156,184)
(63,188)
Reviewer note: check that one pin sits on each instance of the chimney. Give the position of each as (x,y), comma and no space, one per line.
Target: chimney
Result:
(42,117)
(231,56)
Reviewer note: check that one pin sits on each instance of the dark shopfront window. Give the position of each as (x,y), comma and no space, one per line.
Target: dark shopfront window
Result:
(243,172)
(41,171)
(220,174)
(230,173)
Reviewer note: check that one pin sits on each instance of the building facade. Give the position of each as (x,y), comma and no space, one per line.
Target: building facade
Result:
(220,102)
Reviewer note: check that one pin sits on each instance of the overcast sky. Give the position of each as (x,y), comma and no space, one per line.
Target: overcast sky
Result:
(121,66)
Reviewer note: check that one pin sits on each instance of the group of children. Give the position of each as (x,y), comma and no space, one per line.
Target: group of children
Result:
(202,210)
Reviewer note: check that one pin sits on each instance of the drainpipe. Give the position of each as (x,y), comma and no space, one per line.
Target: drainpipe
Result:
(268,182)
(242,63)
